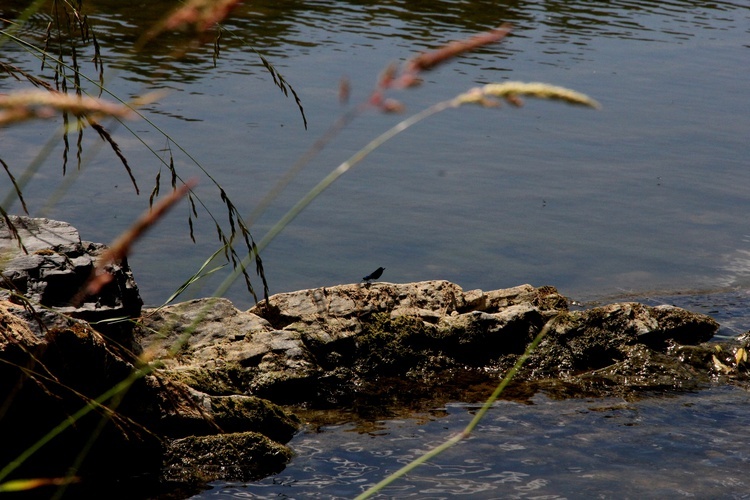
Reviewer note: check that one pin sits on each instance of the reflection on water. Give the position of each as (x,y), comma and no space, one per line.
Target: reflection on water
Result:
(686,445)
(281,29)
(649,193)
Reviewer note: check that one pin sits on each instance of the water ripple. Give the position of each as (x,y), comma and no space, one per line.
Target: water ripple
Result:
(692,443)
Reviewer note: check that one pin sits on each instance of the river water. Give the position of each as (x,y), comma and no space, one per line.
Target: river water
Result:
(647,197)
(690,445)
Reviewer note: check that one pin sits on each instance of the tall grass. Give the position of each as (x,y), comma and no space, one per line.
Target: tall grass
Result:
(84,102)
(70,34)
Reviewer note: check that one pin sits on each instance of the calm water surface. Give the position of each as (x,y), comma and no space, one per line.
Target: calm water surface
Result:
(648,198)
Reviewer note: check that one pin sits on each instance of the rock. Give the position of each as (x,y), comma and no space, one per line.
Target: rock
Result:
(201,414)
(53,365)
(51,379)
(215,332)
(344,345)
(243,456)
(46,262)
(207,404)
(582,341)
(70,367)
(621,348)
(303,346)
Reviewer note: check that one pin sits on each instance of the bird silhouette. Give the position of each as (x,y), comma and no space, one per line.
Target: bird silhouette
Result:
(377,273)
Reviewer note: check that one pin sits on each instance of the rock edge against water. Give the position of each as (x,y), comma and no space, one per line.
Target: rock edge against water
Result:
(215,407)
(381,346)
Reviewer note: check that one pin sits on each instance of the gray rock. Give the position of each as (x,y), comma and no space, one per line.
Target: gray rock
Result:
(44,264)
(53,363)
(36,234)
(338,345)
(211,332)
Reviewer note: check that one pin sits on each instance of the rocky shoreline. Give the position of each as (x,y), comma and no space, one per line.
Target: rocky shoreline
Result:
(216,388)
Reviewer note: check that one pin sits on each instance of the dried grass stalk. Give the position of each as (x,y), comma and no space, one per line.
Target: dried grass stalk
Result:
(122,245)
(409,75)
(489,94)
(30,104)
(202,15)
(198,16)
(428,60)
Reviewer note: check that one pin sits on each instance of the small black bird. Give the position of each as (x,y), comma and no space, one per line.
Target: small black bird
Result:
(377,273)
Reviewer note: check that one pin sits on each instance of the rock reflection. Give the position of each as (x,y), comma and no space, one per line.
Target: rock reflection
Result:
(690,444)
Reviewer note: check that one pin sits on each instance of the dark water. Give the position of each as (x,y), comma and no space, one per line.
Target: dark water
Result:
(689,445)
(646,199)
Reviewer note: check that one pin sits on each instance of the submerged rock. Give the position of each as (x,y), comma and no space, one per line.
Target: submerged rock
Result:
(618,348)
(242,456)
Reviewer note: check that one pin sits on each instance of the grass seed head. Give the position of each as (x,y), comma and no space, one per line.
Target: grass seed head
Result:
(512,92)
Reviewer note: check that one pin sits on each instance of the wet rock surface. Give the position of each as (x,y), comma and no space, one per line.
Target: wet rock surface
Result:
(202,459)
(620,349)
(212,389)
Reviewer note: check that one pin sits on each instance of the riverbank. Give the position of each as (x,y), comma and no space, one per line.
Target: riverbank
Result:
(210,390)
